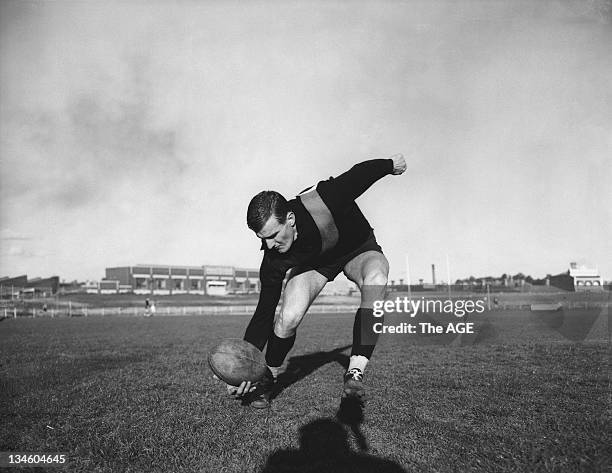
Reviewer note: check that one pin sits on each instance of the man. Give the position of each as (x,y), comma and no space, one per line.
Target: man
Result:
(316,236)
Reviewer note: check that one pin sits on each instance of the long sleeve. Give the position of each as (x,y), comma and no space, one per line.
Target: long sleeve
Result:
(271,275)
(262,323)
(344,189)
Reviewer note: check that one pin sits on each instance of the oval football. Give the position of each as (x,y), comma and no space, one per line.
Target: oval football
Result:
(235,360)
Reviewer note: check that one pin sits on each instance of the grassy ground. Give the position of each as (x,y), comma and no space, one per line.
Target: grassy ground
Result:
(529,392)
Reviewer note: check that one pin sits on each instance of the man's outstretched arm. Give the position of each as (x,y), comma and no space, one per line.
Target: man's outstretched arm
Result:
(271,274)
(262,323)
(261,326)
(350,185)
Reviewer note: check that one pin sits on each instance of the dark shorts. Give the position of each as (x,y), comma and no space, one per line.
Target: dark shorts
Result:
(331,268)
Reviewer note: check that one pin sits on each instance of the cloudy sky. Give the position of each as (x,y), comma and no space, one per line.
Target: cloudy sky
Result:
(137,132)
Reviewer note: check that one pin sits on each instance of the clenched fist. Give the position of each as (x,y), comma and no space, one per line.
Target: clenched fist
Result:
(399,164)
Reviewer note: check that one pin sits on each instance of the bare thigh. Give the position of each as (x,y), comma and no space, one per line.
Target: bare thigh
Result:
(370,271)
(300,292)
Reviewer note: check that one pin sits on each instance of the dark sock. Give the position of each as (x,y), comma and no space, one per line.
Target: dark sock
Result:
(364,338)
(278,348)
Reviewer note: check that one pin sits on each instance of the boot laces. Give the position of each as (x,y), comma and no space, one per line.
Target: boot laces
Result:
(355,374)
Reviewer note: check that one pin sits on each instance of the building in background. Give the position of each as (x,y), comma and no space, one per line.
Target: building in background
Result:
(578,278)
(10,288)
(21,286)
(167,280)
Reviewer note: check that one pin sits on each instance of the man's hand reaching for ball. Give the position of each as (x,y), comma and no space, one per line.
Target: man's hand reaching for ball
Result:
(399,164)
(238,391)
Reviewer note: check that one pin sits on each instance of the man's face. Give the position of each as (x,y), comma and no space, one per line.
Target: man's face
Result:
(279,236)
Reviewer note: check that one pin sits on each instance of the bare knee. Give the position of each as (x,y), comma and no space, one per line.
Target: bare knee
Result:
(377,277)
(287,323)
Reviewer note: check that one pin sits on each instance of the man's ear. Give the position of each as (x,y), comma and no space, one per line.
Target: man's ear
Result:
(291,218)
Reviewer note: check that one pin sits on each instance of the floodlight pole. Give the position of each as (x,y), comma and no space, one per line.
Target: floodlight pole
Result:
(448,276)
(408,279)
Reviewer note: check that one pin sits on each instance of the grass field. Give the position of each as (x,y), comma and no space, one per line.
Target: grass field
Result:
(529,392)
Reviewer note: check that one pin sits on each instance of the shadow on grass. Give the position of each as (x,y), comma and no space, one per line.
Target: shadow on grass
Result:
(324,444)
(299,367)
(351,415)
(324,447)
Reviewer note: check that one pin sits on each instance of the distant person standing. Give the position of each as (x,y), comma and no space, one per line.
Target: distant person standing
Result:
(147,307)
(152,310)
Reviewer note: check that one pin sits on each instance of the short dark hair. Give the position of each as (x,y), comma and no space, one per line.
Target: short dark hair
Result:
(262,206)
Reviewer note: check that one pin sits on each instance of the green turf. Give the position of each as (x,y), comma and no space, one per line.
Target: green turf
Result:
(135,394)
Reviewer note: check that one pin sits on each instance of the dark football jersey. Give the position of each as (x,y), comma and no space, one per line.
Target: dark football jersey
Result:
(329,225)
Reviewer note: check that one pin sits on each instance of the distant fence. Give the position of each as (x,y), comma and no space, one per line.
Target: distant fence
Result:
(83,311)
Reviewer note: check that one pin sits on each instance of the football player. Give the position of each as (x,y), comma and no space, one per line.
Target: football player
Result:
(310,240)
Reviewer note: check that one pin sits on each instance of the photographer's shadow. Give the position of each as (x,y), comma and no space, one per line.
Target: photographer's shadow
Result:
(350,412)
(324,447)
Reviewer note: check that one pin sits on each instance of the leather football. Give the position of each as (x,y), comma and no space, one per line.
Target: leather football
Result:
(235,360)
